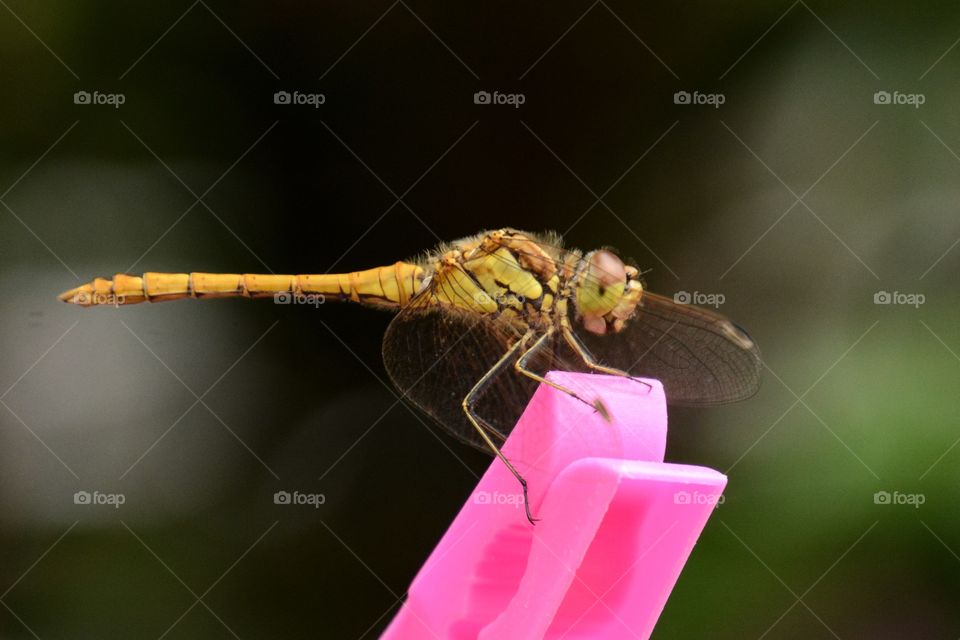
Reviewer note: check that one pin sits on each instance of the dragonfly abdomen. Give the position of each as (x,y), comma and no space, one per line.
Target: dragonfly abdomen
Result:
(390,286)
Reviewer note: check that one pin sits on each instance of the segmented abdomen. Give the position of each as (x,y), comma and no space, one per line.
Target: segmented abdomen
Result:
(387,286)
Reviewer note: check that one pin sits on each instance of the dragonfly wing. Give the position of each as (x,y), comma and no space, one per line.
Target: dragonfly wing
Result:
(435,355)
(700,357)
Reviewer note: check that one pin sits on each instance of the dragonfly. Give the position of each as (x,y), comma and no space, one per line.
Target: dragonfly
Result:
(480,321)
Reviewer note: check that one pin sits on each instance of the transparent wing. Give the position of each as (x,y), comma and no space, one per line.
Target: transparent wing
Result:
(435,356)
(700,357)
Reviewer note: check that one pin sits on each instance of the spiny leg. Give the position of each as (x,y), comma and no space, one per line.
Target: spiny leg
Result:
(479,422)
(521,366)
(574,341)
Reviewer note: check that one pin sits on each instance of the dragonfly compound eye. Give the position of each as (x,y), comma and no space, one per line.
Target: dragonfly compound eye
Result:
(600,286)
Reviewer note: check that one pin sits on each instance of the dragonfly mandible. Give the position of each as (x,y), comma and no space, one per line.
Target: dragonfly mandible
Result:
(480,320)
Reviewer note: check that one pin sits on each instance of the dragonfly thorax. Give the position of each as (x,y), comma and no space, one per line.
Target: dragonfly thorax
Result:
(502,272)
(527,279)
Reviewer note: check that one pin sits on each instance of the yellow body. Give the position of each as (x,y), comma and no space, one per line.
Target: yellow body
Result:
(516,275)
(390,286)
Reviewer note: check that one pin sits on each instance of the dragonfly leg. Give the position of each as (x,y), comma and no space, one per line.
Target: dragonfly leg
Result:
(521,366)
(468,407)
(577,345)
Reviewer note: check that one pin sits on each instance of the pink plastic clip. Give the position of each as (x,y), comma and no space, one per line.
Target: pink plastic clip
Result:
(616,526)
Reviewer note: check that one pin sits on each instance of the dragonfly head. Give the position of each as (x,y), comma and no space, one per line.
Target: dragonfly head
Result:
(607,292)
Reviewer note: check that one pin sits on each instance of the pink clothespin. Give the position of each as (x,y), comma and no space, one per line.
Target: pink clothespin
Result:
(616,526)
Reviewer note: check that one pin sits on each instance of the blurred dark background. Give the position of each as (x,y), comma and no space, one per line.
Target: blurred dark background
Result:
(199,169)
